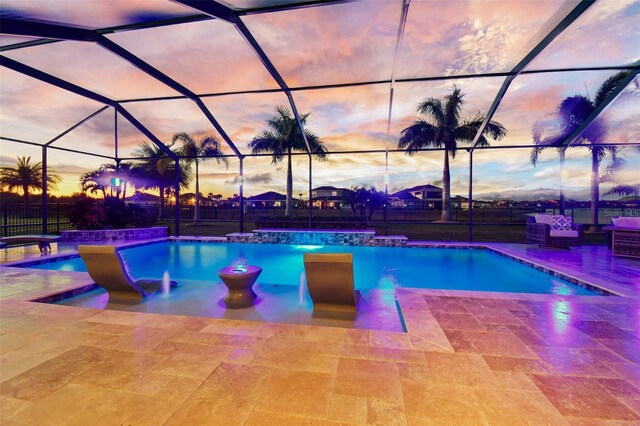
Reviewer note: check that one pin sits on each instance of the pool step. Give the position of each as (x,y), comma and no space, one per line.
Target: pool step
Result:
(390,241)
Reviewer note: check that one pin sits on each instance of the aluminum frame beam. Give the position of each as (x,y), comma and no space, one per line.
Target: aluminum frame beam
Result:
(373,82)
(75,126)
(230,16)
(184,20)
(63,32)
(81,91)
(574,14)
(91,154)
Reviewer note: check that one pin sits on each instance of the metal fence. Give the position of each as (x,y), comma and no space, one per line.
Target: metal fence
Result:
(18,219)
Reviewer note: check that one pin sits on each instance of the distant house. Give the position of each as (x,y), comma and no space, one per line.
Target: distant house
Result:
(267,200)
(460,202)
(421,196)
(404,199)
(330,197)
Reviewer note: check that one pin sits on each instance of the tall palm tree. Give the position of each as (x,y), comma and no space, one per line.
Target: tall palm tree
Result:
(281,140)
(571,113)
(197,151)
(157,170)
(26,177)
(445,130)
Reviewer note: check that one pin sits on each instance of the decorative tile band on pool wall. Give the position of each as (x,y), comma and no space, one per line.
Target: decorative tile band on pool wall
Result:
(317,237)
(116,234)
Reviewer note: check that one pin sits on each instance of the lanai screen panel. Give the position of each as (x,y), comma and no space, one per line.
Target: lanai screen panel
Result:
(96,136)
(470,37)
(7,40)
(621,124)
(347,170)
(95,14)
(330,44)
(70,167)
(621,118)
(261,175)
(533,99)
(206,57)
(608,33)
(35,111)
(421,168)
(129,138)
(166,118)
(244,116)
(252,4)
(91,67)
(349,118)
(476,98)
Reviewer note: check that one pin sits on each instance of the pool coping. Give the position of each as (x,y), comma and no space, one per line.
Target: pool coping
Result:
(598,288)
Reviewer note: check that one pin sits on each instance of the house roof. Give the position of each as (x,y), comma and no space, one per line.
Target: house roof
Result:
(142,196)
(328,188)
(423,187)
(268,196)
(405,195)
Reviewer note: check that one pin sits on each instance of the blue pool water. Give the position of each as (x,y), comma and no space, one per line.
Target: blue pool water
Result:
(381,268)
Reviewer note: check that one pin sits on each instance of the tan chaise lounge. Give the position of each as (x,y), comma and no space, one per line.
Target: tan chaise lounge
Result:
(43,240)
(106,267)
(331,285)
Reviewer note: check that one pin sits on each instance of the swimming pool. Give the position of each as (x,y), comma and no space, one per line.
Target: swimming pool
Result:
(383,268)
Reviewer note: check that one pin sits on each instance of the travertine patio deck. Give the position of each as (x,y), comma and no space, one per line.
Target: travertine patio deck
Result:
(467,358)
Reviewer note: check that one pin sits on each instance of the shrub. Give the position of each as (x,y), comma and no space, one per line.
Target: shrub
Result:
(116,212)
(86,213)
(140,217)
(110,213)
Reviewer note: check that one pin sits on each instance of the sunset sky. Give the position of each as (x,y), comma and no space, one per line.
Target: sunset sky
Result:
(342,43)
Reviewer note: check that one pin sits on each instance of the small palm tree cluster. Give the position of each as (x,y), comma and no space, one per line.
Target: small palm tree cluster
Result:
(446,129)
(156,170)
(103,181)
(26,177)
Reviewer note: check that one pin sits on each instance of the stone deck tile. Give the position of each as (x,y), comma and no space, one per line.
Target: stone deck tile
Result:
(468,357)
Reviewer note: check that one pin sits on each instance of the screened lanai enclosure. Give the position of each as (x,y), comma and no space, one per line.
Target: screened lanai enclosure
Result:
(438,120)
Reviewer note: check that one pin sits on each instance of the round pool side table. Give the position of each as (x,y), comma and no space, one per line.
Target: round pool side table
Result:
(239,280)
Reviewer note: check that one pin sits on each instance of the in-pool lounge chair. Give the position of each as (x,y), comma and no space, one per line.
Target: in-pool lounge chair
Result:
(330,283)
(106,268)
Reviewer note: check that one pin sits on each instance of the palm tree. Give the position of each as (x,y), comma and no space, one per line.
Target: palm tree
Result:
(94,181)
(446,130)
(284,137)
(26,177)
(617,188)
(571,113)
(157,170)
(369,199)
(199,150)
(101,180)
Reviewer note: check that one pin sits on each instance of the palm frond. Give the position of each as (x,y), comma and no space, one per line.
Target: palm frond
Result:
(433,107)
(609,86)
